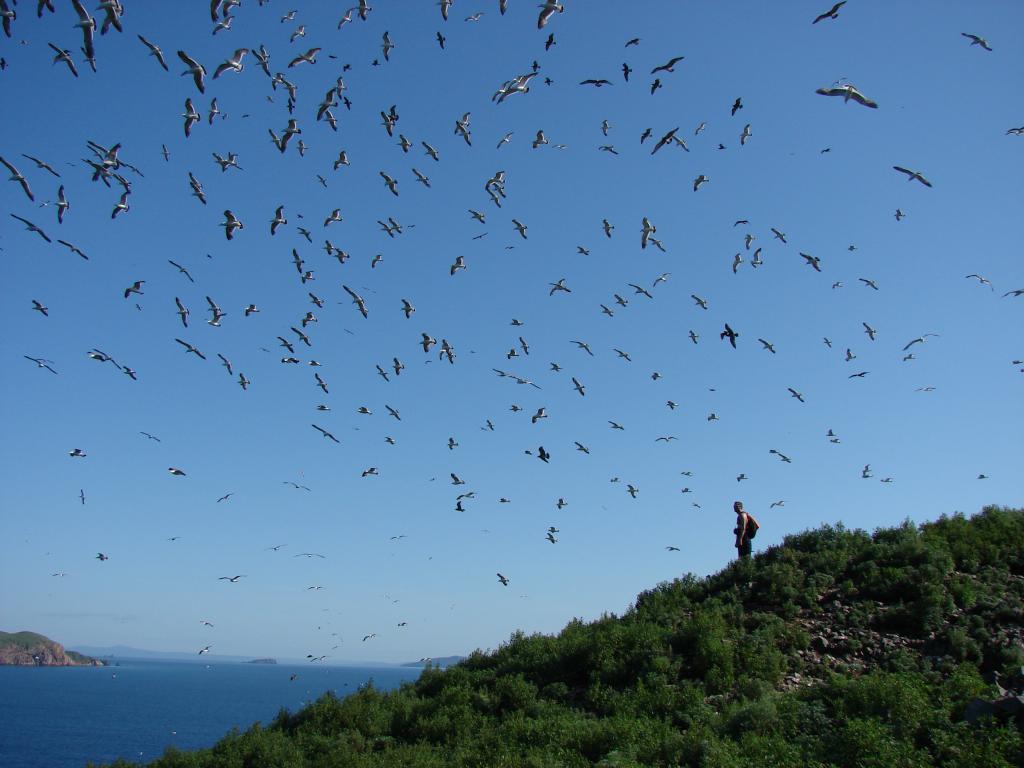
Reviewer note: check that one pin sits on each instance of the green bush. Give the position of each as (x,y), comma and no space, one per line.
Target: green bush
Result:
(697,673)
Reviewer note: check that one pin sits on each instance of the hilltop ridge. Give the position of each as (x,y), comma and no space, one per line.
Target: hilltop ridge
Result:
(30,649)
(835,648)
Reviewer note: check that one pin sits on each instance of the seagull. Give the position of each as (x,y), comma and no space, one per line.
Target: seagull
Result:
(65,56)
(232,579)
(41,362)
(795,394)
(182,270)
(647,229)
(730,334)
(325,433)
(981,280)
(812,261)
(559,286)
(85,22)
(503,580)
(975,40)
(918,340)
(233,64)
(182,311)
(390,183)
(848,91)
(702,179)
(871,332)
(309,57)
(584,346)
(197,70)
(230,224)
(190,348)
(912,175)
(16,176)
(154,50)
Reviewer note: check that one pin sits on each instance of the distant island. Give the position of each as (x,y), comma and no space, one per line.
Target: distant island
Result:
(261,661)
(29,649)
(440,661)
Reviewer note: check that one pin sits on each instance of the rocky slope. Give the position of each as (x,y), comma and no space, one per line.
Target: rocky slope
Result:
(28,649)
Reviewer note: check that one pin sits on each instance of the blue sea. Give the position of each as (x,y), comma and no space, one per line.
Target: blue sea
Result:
(65,717)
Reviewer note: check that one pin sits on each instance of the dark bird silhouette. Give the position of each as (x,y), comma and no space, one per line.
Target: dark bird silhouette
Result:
(831,13)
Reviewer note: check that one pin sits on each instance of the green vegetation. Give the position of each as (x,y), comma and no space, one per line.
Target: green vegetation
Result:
(24,640)
(837,648)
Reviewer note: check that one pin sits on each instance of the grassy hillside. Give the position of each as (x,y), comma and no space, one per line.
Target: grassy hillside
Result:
(24,640)
(837,648)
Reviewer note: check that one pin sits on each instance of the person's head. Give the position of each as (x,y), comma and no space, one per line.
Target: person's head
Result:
(738,507)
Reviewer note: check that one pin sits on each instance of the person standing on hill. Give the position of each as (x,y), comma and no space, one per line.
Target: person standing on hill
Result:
(745,530)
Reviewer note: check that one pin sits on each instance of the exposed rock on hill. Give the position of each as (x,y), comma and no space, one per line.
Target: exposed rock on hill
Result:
(28,649)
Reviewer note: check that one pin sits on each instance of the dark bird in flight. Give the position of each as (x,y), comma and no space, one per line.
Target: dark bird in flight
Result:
(730,334)
(831,13)
(669,66)
(975,40)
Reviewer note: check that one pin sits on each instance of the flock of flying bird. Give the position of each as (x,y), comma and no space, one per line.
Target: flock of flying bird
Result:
(109,166)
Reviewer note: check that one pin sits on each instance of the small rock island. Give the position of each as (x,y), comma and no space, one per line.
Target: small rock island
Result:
(261,661)
(29,649)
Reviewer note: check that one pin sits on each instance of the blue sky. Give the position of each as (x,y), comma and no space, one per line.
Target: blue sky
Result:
(944,109)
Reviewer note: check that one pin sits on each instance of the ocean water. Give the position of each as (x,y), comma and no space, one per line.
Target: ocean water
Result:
(65,717)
